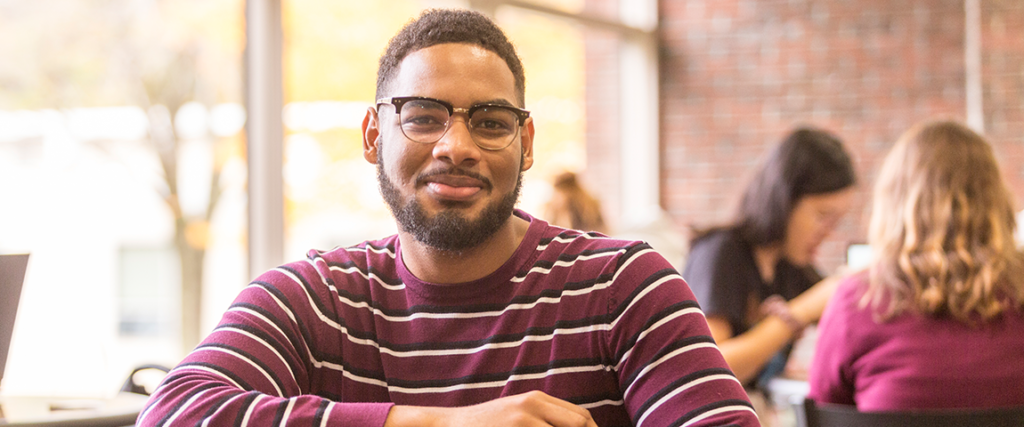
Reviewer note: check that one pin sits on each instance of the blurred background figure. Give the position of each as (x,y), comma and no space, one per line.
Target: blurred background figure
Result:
(754,277)
(936,321)
(572,206)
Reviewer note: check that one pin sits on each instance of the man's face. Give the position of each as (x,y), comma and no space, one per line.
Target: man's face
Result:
(451,195)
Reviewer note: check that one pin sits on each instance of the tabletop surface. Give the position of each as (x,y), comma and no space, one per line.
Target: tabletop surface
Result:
(30,411)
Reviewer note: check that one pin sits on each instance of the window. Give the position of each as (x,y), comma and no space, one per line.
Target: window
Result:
(120,147)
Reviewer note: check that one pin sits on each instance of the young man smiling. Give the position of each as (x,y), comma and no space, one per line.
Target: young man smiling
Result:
(475,313)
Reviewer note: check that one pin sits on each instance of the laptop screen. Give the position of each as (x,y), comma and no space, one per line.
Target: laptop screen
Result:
(858,256)
(12,274)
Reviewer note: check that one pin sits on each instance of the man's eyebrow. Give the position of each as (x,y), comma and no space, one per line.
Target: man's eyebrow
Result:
(497,101)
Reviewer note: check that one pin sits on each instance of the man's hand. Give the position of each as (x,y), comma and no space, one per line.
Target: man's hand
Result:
(532,409)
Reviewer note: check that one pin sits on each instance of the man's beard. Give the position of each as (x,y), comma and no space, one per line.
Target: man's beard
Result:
(448,230)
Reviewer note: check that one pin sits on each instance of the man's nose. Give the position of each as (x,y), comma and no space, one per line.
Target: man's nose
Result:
(457,145)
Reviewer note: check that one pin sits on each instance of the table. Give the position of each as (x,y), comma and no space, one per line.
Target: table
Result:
(120,410)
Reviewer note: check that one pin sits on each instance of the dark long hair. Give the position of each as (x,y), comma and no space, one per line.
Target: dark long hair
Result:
(807,162)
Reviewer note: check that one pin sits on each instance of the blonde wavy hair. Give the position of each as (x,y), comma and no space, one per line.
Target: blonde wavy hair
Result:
(942,229)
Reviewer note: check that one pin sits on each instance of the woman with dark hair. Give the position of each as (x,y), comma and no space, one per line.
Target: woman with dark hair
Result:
(754,278)
(937,320)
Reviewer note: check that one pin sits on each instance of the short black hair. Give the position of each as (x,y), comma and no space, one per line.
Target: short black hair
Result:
(807,162)
(439,26)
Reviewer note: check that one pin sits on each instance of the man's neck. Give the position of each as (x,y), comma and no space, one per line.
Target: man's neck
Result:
(445,267)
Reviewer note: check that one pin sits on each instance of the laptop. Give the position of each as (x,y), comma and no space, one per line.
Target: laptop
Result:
(12,274)
(40,410)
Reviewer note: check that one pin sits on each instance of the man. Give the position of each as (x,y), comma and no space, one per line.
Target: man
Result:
(475,314)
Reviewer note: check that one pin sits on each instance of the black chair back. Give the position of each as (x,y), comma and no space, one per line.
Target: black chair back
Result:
(810,414)
(131,386)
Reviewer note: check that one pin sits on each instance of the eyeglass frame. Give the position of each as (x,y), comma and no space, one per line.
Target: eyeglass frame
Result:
(399,101)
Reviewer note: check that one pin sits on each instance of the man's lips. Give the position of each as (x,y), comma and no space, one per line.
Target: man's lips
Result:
(454,187)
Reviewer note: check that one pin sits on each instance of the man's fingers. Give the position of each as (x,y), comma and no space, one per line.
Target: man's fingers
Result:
(531,409)
(560,413)
(561,417)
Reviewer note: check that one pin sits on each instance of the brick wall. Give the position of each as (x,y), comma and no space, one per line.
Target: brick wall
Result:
(1002,61)
(738,74)
(602,112)
(602,134)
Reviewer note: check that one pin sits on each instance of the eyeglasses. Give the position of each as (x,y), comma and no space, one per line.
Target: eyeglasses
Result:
(425,120)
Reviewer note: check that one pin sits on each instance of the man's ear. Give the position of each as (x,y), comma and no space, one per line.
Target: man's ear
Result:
(371,135)
(526,141)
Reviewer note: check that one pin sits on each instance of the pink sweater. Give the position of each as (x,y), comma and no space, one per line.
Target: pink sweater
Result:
(913,361)
(339,338)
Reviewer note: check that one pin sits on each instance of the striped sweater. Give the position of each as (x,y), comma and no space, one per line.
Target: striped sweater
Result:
(337,339)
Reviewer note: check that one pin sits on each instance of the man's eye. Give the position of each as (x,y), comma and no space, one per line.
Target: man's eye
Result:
(493,125)
(494,121)
(423,120)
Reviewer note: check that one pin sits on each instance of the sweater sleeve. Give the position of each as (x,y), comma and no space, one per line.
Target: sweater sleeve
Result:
(253,369)
(670,371)
(830,375)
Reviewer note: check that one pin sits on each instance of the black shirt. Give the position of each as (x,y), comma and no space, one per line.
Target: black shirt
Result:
(723,275)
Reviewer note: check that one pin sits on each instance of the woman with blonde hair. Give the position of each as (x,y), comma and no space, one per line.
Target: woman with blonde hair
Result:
(936,321)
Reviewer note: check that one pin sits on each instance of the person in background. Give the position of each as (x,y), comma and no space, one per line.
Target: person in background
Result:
(475,313)
(936,320)
(754,278)
(572,206)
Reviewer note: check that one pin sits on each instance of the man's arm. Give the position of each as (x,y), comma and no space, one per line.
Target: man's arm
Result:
(254,368)
(669,368)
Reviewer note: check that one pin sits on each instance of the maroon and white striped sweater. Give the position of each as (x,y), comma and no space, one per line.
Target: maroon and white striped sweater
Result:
(337,339)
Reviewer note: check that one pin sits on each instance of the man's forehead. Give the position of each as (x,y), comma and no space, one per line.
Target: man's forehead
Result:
(450,55)
(451,48)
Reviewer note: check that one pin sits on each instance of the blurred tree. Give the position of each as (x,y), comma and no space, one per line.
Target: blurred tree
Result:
(163,93)
(194,56)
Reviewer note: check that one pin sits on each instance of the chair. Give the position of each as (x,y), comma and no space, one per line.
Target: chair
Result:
(132,386)
(810,414)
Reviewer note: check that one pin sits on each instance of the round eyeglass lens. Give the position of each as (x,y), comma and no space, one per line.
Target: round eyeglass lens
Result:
(493,127)
(423,121)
